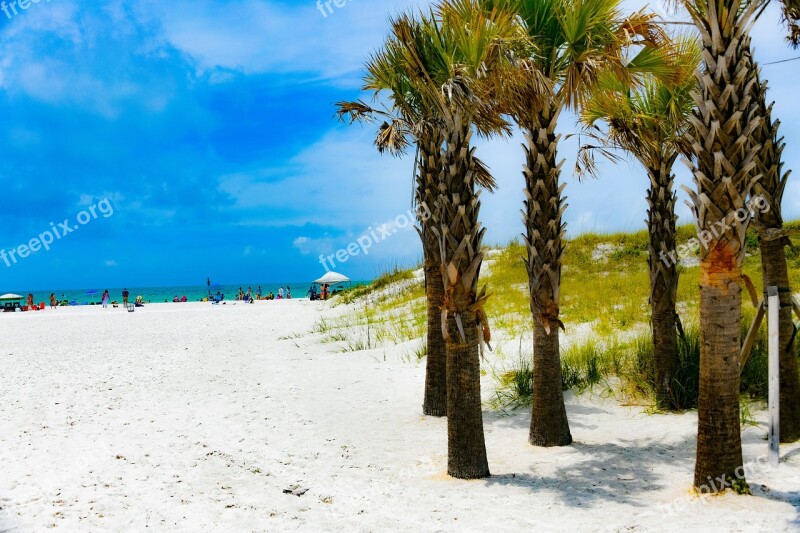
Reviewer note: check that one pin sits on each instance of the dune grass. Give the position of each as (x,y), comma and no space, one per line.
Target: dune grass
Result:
(605,290)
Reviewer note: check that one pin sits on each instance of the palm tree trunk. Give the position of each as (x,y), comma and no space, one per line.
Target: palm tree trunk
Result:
(773,257)
(436,367)
(544,207)
(663,282)
(435,402)
(724,175)
(719,438)
(460,236)
(776,274)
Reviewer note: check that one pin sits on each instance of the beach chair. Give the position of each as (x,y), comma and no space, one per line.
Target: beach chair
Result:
(131,307)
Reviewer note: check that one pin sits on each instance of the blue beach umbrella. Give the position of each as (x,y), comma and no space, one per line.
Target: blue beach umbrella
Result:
(92,293)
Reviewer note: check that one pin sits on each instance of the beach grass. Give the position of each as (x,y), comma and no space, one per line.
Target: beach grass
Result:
(604,306)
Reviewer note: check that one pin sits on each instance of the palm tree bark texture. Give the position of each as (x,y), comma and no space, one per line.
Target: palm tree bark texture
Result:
(430,145)
(772,243)
(724,175)
(460,235)
(544,207)
(663,281)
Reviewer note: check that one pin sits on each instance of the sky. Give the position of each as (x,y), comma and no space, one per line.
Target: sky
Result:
(194,139)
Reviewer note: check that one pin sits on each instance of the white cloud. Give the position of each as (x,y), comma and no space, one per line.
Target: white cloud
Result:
(340,180)
(257,36)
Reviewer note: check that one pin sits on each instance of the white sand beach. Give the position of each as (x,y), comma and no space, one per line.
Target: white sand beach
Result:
(195,417)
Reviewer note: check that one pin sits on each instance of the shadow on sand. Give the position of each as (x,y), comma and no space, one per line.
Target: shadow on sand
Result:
(624,471)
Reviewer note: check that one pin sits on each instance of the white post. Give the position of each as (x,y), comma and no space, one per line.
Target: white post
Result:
(773,320)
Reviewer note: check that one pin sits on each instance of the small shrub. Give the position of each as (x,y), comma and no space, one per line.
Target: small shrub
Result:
(515,387)
(584,365)
(686,383)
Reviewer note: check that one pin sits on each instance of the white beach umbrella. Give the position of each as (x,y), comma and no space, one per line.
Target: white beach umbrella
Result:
(332,278)
(10,297)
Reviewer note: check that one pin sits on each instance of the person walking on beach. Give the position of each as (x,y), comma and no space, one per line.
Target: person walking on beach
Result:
(125,295)
(105,299)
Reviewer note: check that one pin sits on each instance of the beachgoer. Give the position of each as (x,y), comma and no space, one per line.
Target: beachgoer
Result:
(105,299)
(29,301)
(258,292)
(184,299)
(53,302)
(288,292)
(280,293)
(125,295)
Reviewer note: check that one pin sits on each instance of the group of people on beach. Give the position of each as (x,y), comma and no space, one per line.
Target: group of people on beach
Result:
(242,296)
(323,294)
(125,296)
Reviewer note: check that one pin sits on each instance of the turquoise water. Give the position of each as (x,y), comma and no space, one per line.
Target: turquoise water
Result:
(162,294)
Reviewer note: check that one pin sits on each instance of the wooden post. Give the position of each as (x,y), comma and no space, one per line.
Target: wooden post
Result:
(773,319)
(747,348)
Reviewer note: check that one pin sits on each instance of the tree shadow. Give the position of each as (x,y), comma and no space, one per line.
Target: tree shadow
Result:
(619,472)
(520,417)
(792,498)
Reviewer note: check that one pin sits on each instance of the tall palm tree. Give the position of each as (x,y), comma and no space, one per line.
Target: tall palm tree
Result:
(772,241)
(649,122)
(724,169)
(572,42)
(460,83)
(412,120)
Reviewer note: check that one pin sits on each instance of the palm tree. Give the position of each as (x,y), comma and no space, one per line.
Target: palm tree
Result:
(649,122)
(412,120)
(460,83)
(724,171)
(791,15)
(772,240)
(571,43)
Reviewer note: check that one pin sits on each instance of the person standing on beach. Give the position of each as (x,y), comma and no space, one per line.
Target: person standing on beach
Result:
(280,293)
(105,299)
(258,293)
(53,303)
(288,293)
(125,295)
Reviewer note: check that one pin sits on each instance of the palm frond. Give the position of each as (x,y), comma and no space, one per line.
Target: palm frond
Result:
(647,121)
(357,111)
(791,16)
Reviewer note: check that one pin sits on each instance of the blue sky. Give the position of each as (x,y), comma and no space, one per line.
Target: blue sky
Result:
(209,127)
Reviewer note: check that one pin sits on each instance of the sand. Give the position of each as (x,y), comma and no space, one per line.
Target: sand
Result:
(196,417)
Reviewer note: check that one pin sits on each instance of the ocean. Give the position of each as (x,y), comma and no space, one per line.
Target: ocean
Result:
(154,295)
